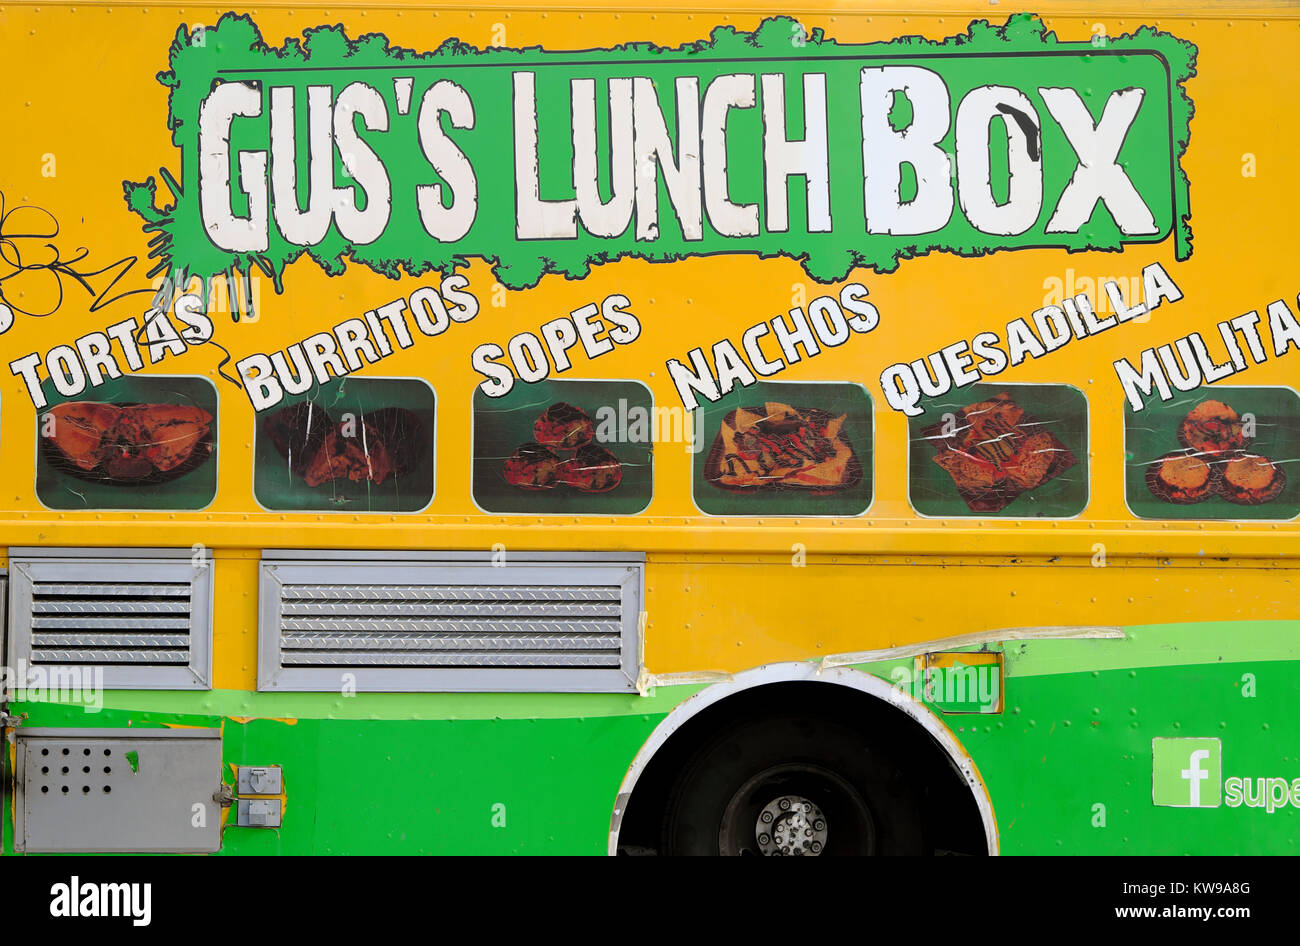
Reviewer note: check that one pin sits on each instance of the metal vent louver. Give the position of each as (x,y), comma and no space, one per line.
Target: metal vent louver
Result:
(98,622)
(143,622)
(450,626)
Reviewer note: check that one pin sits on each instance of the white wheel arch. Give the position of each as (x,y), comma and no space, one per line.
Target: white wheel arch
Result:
(809,671)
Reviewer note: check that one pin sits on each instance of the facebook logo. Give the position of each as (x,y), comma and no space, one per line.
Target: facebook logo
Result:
(1187,773)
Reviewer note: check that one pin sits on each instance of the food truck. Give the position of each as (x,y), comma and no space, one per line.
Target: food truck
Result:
(834,429)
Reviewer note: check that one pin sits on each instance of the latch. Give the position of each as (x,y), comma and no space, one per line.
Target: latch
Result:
(258,779)
(258,813)
(11,722)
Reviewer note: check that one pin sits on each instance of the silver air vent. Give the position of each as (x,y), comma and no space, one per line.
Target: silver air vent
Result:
(145,622)
(455,626)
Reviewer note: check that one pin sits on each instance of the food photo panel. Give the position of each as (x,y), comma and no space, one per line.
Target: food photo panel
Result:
(138,442)
(1221,452)
(352,445)
(785,449)
(1001,450)
(564,447)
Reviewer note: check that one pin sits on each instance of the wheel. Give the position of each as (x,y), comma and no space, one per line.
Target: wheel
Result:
(791,786)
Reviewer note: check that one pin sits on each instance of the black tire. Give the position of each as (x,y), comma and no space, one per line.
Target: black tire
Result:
(868,805)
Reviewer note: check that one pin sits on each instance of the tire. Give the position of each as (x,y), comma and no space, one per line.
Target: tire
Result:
(732,790)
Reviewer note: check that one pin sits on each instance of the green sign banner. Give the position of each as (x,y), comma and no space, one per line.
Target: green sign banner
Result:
(774,143)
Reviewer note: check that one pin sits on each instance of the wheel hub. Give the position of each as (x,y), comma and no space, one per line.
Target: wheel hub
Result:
(791,826)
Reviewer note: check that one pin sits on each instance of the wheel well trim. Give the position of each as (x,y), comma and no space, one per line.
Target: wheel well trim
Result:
(809,671)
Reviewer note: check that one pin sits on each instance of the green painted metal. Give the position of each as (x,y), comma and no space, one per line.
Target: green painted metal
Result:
(1159,645)
(1069,743)
(1068,764)
(396,706)
(418,786)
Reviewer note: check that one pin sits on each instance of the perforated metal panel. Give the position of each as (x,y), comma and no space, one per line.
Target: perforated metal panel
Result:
(117,790)
(419,626)
(142,621)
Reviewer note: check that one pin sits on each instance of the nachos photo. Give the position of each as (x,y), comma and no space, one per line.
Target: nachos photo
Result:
(779,447)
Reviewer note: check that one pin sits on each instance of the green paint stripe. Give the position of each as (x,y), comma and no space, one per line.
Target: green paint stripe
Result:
(1158,645)
(218,703)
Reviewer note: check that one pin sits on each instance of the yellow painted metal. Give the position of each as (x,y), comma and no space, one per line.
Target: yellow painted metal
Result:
(724,593)
(731,616)
(234,620)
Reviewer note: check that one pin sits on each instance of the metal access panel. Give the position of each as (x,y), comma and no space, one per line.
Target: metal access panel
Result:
(117,790)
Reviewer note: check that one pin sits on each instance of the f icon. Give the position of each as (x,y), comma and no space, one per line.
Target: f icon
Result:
(1187,773)
(1195,774)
